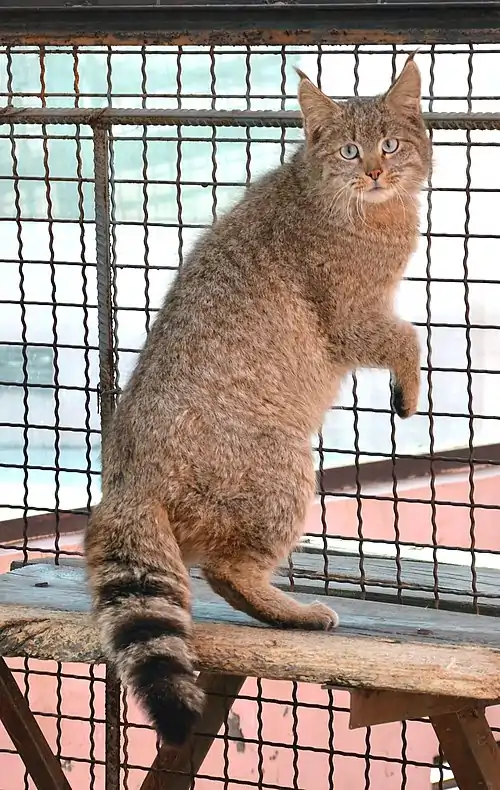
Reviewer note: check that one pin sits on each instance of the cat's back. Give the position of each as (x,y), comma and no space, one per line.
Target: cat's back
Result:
(241,281)
(236,332)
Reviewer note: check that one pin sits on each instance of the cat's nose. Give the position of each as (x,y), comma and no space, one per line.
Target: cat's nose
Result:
(374,174)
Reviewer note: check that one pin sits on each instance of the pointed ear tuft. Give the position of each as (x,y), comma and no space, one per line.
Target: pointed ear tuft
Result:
(317,109)
(404,93)
(302,75)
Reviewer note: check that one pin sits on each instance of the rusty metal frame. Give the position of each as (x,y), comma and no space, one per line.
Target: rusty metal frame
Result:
(231,24)
(252,22)
(107,400)
(288,119)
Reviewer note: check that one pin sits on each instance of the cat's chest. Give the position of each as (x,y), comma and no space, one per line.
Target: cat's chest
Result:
(360,269)
(376,253)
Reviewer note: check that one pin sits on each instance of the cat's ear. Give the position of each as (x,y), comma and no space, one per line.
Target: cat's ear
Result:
(404,93)
(317,109)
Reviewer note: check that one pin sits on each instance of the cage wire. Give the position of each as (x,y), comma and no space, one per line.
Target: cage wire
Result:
(398,503)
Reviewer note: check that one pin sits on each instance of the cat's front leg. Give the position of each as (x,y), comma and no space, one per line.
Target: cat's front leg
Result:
(404,400)
(405,368)
(385,341)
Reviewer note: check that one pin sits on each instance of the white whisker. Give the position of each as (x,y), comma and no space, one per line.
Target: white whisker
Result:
(400,198)
(360,209)
(337,197)
(349,216)
(411,197)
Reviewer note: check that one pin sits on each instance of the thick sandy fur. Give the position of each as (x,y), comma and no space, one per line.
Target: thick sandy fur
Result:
(208,457)
(142,602)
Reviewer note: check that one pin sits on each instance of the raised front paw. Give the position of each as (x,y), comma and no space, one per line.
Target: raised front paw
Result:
(403,403)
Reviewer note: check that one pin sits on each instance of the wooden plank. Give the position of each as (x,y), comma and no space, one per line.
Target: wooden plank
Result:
(174,768)
(381,707)
(378,646)
(445,784)
(43,525)
(27,736)
(228,646)
(470,748)
(417,579)
(63,588)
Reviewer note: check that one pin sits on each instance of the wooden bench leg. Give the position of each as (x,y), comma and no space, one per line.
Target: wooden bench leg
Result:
(381,707)
(221,692)
(470,748)
(460,724)
(27,736)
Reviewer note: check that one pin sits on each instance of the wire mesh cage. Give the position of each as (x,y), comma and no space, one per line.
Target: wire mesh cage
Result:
(112,161)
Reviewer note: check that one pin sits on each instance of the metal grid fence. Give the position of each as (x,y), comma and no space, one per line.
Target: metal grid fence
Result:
(112,160)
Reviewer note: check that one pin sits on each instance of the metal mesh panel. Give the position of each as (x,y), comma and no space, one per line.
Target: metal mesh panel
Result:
(398,504)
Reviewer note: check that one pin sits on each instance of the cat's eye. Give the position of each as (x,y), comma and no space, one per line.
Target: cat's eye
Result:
(349,151)
(390,145)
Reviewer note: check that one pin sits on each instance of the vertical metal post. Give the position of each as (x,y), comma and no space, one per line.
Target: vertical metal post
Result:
(112,739)
(107,400)
(103,259)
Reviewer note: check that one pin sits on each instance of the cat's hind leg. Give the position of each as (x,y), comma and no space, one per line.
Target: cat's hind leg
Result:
(247,587)
(251,526)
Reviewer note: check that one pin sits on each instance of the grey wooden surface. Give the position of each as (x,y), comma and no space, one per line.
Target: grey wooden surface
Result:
(44,613)
(63,588)
(455,583)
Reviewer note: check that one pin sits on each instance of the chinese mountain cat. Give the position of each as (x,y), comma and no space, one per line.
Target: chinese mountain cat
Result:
(208,456)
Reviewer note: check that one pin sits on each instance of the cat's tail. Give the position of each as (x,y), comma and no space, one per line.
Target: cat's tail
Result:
(141,600)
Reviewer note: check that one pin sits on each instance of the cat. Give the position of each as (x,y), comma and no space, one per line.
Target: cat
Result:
(208,456)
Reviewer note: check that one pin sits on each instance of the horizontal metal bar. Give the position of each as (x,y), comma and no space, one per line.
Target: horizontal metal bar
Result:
(237,118)
(278,22)
(139,5)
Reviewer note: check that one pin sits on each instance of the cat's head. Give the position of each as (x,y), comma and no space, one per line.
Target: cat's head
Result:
(368,149)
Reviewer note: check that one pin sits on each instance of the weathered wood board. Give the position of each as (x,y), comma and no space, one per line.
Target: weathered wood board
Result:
(455,584)
(44,613)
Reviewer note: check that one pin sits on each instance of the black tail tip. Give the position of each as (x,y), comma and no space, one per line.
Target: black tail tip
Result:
(174,723)
(173,702)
